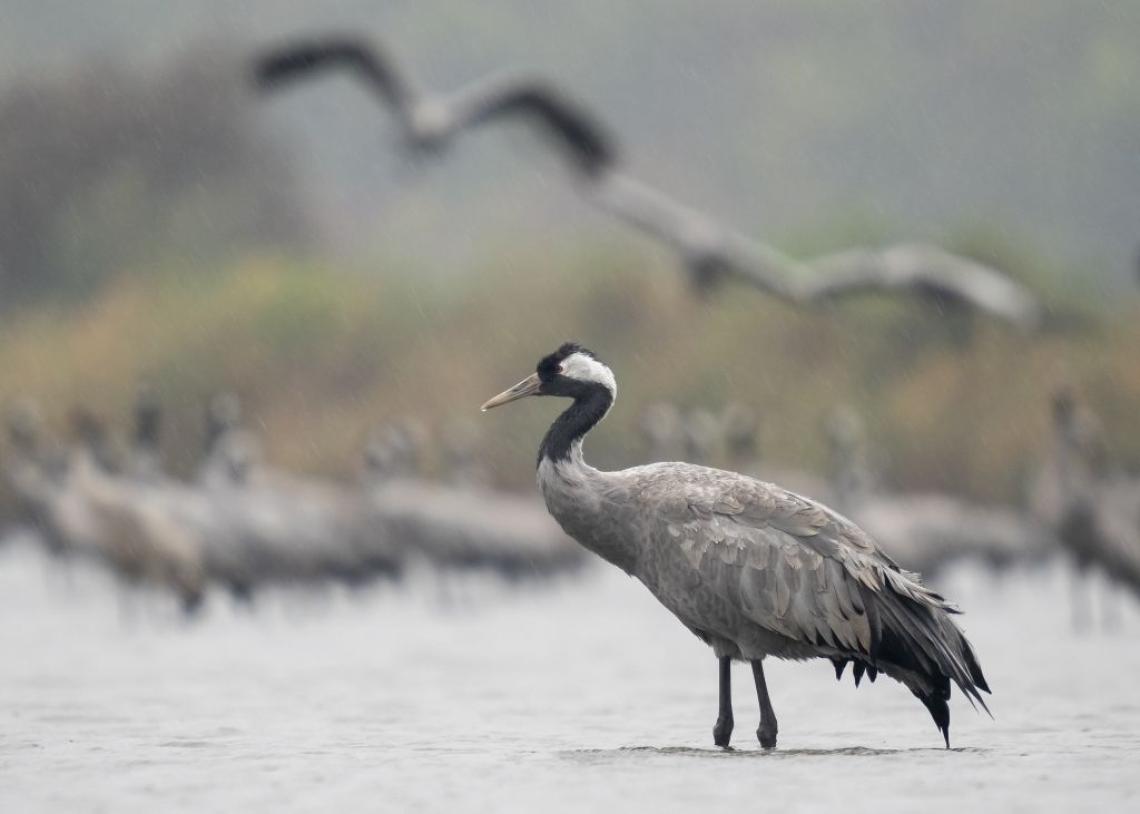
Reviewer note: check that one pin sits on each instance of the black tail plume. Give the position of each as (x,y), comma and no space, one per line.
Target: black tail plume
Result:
(939,711)
(839,665)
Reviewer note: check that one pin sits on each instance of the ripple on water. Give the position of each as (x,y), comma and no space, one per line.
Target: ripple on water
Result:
(713,753)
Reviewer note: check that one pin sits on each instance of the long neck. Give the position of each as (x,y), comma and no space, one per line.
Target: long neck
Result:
(578,419)
(147,428)
(1075,472)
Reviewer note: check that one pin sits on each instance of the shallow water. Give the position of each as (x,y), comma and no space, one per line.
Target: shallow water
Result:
(582,694)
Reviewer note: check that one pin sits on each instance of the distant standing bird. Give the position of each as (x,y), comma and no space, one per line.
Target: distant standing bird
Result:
(751,569)
(232,453)
(145,463)
(741,428)
(925,531)
(1094,511)
(662,431)
(711,252)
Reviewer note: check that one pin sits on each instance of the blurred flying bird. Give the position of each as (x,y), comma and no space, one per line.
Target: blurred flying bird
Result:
(711,252)
(431,121)
(751,569)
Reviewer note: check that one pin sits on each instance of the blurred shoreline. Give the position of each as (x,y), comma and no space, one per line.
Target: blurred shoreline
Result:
(322,355)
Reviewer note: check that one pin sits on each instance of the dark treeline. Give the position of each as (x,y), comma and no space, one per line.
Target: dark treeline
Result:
(104,168)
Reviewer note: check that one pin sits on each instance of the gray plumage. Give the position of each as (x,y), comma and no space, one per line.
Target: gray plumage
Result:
(284,527)
(90,513)
(750,568)
(756,571)
(465,529)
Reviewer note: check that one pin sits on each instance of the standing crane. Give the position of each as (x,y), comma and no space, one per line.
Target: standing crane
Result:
(751,569)
(1094,512)
(711,253)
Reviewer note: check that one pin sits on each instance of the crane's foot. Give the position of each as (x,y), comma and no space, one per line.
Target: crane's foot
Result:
(766,734)
(722,732)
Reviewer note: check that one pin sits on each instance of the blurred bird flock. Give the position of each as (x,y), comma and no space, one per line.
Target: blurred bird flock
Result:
(165,247)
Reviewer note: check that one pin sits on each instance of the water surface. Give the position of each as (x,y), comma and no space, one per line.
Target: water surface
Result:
(577,696)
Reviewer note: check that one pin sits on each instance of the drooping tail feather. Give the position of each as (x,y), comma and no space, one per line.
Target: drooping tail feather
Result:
(939,711)
(919,645)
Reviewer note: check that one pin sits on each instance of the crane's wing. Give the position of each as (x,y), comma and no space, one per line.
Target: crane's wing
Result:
(925,270)
(710,251)
(556,115)
(797,568)
(713,252)
(298,59)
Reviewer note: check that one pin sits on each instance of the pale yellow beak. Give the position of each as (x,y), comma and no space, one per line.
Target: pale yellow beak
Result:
(527,387)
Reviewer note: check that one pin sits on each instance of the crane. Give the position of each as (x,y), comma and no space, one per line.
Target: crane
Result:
(749,568)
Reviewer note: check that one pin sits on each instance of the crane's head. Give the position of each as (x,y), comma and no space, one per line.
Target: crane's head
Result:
(570,372)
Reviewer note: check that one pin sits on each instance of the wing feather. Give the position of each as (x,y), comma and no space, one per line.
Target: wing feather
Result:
(792,565)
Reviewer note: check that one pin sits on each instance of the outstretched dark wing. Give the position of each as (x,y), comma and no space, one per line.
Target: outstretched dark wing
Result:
(557,116)
(298,59)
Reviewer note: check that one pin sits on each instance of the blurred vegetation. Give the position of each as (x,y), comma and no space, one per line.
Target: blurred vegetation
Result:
(151,231)
(105,169)
(323,354)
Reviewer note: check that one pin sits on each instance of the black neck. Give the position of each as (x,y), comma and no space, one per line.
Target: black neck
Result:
(579,418)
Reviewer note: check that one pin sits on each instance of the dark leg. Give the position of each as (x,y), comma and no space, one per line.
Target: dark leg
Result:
(722,732)
(1080,600)
(767,731)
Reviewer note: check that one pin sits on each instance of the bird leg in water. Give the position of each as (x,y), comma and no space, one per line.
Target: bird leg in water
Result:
(722,732)
(767,731)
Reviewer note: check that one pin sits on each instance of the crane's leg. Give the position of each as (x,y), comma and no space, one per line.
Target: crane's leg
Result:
(1079,593)
(767,731)
(722,732)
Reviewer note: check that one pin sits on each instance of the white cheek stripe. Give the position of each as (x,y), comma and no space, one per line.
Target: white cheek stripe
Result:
(588,369)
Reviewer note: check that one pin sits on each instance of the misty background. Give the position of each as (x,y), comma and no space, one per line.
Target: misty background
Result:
(158,221)
(267,627)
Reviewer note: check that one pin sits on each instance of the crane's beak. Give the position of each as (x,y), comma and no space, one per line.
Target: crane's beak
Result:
(527,387)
